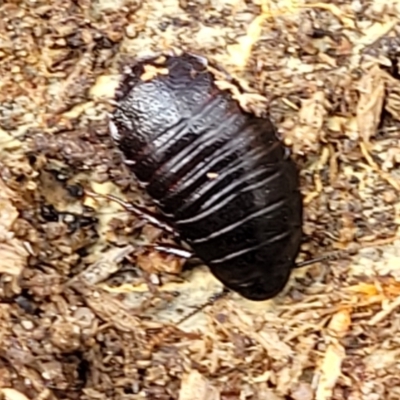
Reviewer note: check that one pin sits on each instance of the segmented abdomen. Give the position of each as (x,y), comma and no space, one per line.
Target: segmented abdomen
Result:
(219,174)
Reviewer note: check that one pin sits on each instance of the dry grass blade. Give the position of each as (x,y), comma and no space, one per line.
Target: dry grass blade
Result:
(105,265)
(13,253)
(307,135)
(108,309)
(195,386)
(330,369)
(385,312)
(12,394)
(370,103)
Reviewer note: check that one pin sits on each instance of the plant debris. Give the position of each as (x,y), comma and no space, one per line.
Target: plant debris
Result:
(88,305)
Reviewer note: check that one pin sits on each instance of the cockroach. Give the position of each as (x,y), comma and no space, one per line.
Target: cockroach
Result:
(219,175)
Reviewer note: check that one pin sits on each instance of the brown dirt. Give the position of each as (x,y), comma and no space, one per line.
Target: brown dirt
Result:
(86,314)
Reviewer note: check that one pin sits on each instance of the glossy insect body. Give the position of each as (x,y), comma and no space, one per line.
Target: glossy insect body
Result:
(220,176)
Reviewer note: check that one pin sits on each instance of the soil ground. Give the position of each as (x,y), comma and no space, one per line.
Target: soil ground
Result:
(85,313)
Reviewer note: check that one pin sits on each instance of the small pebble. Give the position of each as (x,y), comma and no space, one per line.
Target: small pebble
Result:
(27,325)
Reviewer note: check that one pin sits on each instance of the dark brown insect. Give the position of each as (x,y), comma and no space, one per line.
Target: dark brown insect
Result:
(219,175)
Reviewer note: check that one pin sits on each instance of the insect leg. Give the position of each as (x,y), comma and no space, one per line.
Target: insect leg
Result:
(334,255)
(139,211)
(154,220)
(171,249)
(211,300)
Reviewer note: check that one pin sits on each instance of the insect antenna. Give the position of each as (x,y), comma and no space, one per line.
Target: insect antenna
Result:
(211,300)
(334,255)
(338,254)
(12,138)
(140,212)
(158,338)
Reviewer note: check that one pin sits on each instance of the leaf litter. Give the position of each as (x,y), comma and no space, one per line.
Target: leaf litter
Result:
(87,313)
